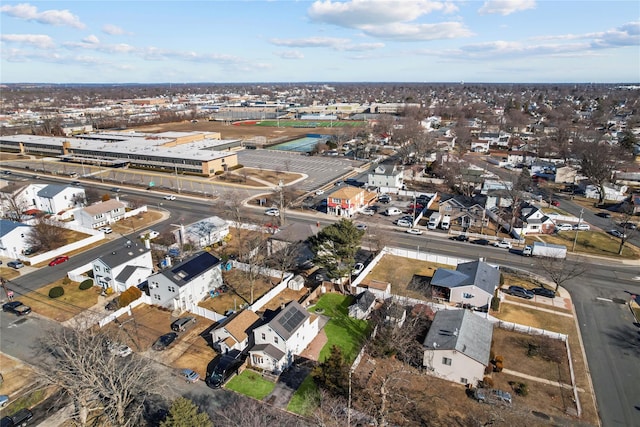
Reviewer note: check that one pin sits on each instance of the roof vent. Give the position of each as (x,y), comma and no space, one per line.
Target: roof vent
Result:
(113,253)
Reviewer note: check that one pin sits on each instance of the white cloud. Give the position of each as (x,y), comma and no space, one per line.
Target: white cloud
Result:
(55,17)
(38,40)
(114,30)
(326,42)
(506,7)
(91,39)
(418,32)
(289,54)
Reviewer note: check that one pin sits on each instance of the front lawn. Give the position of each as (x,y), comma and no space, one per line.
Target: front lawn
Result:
(341,330)
(73,302)
(251,384)
(301,402)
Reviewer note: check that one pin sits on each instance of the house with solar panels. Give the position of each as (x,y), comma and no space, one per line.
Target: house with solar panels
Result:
(184,285)
(281,339)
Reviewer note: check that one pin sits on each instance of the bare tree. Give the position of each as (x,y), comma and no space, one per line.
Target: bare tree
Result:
(45,234)
(97,380)
(14,206)
(560,270)
(242,411)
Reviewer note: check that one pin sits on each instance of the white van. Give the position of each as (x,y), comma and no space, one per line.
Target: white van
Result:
(446,222)
(392,211)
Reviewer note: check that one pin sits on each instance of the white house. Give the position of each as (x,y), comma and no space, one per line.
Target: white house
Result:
(123,268)
(285,336)
(101,214)
(388,178)
(611,192)
(205,232)
(457,346)
(57,198)
(234,332)
(187,283)
(533,221)
(363,305)
(471,283)
(12,238)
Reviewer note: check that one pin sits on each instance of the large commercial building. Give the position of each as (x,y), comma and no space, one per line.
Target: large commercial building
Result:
(200,153)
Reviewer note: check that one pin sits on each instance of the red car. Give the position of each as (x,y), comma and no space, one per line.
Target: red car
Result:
(58,260)
(555,203)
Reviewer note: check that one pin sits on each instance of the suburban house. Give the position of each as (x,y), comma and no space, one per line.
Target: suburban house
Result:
(293,236)
(478,146)
(396,314)
(382,290)
(464,212)
(285,336)
(57,198)
(533,221)
(471,283)
(12,238)
(387,178)
(185,284)
(611,192)
(346,201)
(234,332)
(123,268)
(457,346)
(101,214)
(364,303)
(203,233)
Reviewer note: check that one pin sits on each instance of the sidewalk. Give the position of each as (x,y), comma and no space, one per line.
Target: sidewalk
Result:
(541,380)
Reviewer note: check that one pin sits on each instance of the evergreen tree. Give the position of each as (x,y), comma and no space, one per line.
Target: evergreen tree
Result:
(184,413)
(333,373)
(335,248)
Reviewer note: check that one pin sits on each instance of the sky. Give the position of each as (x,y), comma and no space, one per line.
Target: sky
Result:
(493,41)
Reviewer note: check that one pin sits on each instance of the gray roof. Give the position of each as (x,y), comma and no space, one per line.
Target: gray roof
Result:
(269,349)
(476,273)
(365,300)
(296,232)
(127,272)
(463,331)
(191,268)
(7,226)
(123,255)
(289,320)
(51,190)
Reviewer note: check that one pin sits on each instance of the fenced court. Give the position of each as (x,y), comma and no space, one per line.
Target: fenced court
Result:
(308,123)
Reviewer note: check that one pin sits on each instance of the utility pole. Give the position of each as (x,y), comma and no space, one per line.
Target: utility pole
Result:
(575,239)
(281,188)
(177,180)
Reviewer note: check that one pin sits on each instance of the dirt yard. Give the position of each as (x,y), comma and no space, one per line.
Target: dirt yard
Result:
(241,294)
(73,302)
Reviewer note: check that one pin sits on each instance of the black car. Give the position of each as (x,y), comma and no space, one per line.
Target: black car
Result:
(483,242)
(165,341)
(544,292)
(521,292)
(17,308)
(460,238)
(183,324)
(227,365)
(604,214)
(628,225)
(20,418)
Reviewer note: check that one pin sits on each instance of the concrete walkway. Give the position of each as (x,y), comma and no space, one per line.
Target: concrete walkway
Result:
(541,380)
(535,307)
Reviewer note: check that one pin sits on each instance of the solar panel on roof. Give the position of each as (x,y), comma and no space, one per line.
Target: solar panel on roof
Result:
(291,319)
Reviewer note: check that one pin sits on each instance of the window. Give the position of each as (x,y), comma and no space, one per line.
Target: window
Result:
(257,360)
(156,296)
(463,380)
(446,361)
(171,289)
(275,340)
(264,337)
(467,295)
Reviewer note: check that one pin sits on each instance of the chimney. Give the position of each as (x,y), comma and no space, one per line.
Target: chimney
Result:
(147,243)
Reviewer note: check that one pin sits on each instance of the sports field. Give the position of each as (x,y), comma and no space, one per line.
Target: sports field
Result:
(308,123)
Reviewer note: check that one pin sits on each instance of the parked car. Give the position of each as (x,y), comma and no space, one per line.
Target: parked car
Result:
(492,396)
(518,291)
(17,308)
(169,197)
(555,203)
(183,324)
(404,223)
(106,230)
(119,349)
(149,234)
(544,292)
(604,214)
(482,242)
(4,400)
(15,264)
(227,365)
(616,233)
(502,244)
(357,268)
(20,418)
(361,227)
(564,227)
(319,192)
(113,305)
(582,227)
(272,212)
(190,376)
(30,251)
(164,341)
(58,260)
(629,225)
(368,211)
(75,183)
(384,199)
(460,238)
(414,231)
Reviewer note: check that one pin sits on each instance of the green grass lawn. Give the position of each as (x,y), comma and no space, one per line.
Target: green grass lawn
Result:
(589,242)
(342,330)
(251,384)
(300,402)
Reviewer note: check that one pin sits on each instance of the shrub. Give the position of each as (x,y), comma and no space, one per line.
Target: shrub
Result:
(487,382)
(522,389)
(499,359)
(56,292)
(218,173)
(128,296)
(495,304)
(498,367)
(86,284)
(488,369)
(66,280)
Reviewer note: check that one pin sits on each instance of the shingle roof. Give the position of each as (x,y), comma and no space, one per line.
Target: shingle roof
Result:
(238,325)
(346,193)
(463,331)
(296,232)
(365,300)
(122,255)
(51,190)
(269,349)
(289,320)
(476,273)
(7,226)
(191,268)
(103,207)
(128,271)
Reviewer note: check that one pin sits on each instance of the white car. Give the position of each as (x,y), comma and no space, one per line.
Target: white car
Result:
(367,211)
(357,268)
(582,227)
(502,244)
(404,223)
(150,234)
(361,227)
(319,192)
(564,227)
(169,197)
(617,233)
(414,231)
(272,212)
(105,230)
